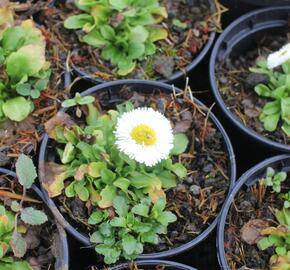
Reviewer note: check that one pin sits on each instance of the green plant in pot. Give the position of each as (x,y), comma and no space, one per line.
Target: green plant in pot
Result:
(277,237)
(276,91)
(25,71)
(119,163)
(125,31)
(15,218)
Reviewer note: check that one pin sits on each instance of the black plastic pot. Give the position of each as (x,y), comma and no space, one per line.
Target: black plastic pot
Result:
(169,265)
(61,244)
(177,75)
(236,39)
(279,163)
(47,153)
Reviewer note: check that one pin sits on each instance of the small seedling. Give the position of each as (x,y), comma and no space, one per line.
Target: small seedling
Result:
(11,236)
(274,180)
(77,100)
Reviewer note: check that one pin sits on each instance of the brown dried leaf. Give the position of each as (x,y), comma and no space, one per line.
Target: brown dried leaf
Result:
(251,231)
(52,176)
(61,119)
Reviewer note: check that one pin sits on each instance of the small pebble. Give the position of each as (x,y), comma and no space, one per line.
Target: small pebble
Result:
(195,190)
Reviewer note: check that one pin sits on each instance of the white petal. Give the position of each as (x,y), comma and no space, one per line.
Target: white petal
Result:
(279,57)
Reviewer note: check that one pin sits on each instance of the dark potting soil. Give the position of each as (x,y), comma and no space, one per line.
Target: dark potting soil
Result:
(40,240)
(236,84)
(176,52)
(197,200)
(251,204)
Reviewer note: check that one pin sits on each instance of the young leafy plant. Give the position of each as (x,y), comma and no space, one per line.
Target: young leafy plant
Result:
(12,241)
(277,237)
(26,71)
(277,92)
(274,180)
(77,100)
(128,198)
(124,30)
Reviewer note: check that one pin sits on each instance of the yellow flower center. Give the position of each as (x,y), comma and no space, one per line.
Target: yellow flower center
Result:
(144,135)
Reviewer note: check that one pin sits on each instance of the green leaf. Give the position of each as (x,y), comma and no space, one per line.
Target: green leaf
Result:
(107,176)
(122,183)
(270,121)
(107,194)
(106,229)
(23,89)
(97,238)
(264,243)
(68,153)
(95,168)
(68,103)
(179,170)
(168,179)
(33,217)
(129,244)
(179,144)
(139,34)
(141,210)
(78,21)
(285,109)
(179,23)
(11,108)
(136,50)
(81,191)
(157,33)
(120,205)
(18,245)
(27,61)
(263,90)
(118,222)
(166,217)
(111,254)
(118,4)
(95,218)
(281,251)
(150,237)
(107,32)
(272,107)
(25,171)
(158,207)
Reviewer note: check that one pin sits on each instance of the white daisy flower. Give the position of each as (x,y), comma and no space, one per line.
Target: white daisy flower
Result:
(279,57)
(144,135)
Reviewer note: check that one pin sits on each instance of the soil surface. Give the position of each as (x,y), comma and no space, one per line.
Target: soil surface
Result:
(198,199)
(41,250)
(176,52)
(253,203)
(236,84)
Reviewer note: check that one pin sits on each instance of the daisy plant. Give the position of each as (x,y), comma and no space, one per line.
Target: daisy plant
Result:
(25,69)
(15,219)
(276,91)
(120,162)
(124,30)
